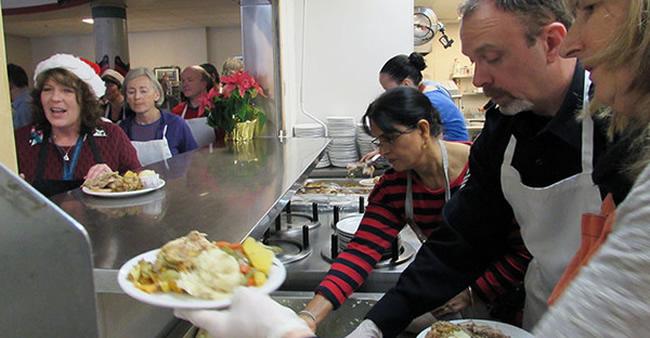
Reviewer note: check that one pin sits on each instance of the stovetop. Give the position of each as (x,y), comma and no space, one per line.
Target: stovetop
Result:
(306,273)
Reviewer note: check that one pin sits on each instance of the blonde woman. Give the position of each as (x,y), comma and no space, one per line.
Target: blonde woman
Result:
(610,294)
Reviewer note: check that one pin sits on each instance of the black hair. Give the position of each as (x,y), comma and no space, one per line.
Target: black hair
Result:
(404,106)
(212,70)
(17,76)
(401,67)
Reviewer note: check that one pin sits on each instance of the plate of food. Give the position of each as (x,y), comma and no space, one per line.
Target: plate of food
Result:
(192,272)
(469,328)
(370,182)
(115,185)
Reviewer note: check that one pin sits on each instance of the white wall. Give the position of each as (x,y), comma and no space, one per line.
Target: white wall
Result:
(80,45)
(222,44)
(20,54)
(346,44)
(181,48)
(146,49)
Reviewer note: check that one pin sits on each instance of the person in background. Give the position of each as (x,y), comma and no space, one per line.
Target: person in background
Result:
(232,65)
(409,131)
(402,70)
(214,74)
(68,141)
(113,100)
(21,103)
(610,294)
(195,82)
(156,135)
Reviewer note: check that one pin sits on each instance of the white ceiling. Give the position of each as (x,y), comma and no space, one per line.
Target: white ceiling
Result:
(153,15)
(141,15)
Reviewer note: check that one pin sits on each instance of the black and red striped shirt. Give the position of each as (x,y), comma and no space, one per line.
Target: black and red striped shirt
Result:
(383,220)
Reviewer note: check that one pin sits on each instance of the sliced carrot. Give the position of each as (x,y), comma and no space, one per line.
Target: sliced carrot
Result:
(251,281)
(222,244)
(244,268)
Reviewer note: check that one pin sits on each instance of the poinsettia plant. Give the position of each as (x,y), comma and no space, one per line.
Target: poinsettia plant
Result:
(235,103)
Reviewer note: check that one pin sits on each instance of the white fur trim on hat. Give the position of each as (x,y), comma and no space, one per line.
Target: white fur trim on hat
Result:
(77,67)
(114,74)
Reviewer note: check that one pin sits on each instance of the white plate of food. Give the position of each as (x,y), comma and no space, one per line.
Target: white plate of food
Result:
(474,325)
(102,193)
(276,276)
(369,182)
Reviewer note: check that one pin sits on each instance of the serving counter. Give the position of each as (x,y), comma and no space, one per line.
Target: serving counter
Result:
(228,193)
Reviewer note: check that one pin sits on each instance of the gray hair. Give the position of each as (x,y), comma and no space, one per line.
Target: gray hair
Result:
(534,14)
(143,71)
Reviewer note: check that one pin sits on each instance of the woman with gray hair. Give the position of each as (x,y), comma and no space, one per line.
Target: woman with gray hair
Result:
(156,135)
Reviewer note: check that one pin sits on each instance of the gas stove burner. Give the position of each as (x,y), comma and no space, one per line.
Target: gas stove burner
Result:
(291,222)
(406,251)
(292,251)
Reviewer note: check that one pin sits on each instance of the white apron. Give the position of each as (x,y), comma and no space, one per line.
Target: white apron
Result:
(154,150)
(203,134)
(549,218)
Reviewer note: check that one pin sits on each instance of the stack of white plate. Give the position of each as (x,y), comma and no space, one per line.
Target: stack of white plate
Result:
(343,148)
(345,230)
(364,141)
(313,130)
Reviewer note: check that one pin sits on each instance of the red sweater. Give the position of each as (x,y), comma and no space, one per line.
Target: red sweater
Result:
(190,113)
(115,149)
(383,220)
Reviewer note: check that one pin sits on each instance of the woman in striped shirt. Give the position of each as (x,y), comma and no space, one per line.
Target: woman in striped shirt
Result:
(425,172)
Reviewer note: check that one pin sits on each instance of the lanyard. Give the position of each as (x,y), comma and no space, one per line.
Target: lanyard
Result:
(69,166)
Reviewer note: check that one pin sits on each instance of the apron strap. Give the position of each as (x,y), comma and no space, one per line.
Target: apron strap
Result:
(445,169)
(185,110)
(97,156)
(587,130)
(408,209)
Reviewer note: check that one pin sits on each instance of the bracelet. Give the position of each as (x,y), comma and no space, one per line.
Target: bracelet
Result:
(307,314)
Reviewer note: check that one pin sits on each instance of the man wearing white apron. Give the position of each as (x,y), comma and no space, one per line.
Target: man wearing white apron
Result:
(549,218)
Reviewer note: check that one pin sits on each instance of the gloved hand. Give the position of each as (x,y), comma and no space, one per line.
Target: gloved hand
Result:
(252,314)
(367,329)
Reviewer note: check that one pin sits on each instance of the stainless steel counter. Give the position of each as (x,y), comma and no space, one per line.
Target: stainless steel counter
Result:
(227,193)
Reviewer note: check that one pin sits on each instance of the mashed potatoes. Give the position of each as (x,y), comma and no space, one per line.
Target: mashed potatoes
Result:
(215,275)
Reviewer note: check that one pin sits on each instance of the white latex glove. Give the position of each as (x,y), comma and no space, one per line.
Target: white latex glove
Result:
(252,314)
(367,329)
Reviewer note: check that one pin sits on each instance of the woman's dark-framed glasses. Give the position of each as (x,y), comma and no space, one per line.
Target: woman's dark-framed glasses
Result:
(389,139)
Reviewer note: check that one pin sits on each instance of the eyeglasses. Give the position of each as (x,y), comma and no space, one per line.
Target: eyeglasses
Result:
(389,139)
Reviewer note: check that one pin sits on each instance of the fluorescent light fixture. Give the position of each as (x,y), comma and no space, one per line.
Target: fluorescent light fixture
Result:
(89,21)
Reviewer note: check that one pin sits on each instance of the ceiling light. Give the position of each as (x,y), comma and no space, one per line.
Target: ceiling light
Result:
(89,21)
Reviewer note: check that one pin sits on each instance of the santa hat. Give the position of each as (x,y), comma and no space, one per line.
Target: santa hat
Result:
(77,66)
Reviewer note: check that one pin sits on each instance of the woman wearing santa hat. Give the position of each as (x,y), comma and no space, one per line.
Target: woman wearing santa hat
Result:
(68,142)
